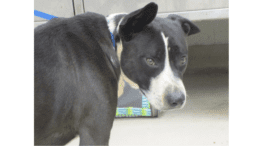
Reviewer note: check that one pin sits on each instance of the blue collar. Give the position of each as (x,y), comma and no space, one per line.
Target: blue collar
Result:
(113,40)
(112,37)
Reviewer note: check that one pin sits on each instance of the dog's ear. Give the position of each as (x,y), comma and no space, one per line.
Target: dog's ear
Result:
(188,27)
(137,20)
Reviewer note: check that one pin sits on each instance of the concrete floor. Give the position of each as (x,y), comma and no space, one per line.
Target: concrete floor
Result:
(202,122)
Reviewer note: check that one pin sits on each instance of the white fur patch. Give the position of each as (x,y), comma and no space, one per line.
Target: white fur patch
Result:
(111,22)
(117,29)
(164,83)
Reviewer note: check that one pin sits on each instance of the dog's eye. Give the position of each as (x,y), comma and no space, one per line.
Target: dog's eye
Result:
(150,61)
(183,60)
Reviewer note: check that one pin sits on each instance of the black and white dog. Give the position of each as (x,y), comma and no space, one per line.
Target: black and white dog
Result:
(77,70)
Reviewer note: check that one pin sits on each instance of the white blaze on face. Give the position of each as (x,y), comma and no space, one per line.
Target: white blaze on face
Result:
(164,83)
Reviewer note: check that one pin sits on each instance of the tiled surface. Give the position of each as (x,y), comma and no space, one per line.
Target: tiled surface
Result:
(202,122)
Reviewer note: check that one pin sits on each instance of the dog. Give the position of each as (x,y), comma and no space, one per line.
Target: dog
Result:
(78,70)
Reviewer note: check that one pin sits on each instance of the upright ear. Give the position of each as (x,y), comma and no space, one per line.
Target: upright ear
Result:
(137,20)
(188,27)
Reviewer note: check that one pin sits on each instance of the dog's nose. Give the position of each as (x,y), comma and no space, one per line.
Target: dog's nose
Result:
(175,98)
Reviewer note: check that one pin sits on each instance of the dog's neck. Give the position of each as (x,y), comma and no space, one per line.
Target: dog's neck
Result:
(113,25)
(113,22)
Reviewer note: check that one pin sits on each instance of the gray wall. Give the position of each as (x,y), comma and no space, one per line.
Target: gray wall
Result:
(209,48)
(68,8)
(208,58)
(57,8)
(107,7)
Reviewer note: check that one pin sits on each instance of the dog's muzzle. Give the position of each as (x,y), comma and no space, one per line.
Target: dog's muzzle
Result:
(171,100)
(175,99)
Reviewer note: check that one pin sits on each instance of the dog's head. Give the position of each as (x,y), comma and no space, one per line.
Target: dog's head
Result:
(154,53)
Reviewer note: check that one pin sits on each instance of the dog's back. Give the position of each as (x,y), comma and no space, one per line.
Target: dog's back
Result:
(75,82)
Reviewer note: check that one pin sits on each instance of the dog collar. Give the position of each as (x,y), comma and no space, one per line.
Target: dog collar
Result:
(113,39)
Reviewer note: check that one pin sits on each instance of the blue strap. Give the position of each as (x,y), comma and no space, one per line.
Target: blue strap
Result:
(113,39)
(43,15)
(49,17)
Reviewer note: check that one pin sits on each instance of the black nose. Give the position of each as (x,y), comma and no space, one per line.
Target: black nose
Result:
(175,98)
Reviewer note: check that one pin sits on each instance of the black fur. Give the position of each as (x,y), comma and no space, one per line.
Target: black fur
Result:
(75,83)
(137,20)
(188,27)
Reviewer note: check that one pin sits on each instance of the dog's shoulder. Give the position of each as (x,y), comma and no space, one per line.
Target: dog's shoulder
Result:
(86,34)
